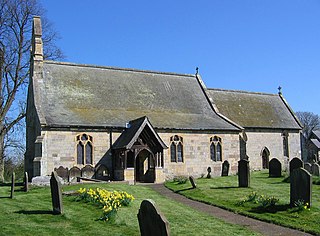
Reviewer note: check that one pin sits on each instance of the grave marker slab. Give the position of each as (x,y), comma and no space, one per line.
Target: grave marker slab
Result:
(151,220)
(209,172)
(225,168)
(74,173)
(300,186)
(275,168)
(192,181)
(315,169)
(62,172)
(56,194)
(87,171)
(25,182)
(244,173)
(12,184)
(295,163)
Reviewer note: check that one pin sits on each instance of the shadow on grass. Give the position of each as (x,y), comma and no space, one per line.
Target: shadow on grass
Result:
(273,209)
(230,187)
(34,212)
(9,184)
(182,190)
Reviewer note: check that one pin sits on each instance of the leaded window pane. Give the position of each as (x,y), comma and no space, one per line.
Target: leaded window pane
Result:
(173,152)
(219,156)
(80,153)
(213,152)
(180,152)
(88,153)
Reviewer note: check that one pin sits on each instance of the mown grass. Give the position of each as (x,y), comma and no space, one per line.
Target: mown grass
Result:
(31,214)
(224,192)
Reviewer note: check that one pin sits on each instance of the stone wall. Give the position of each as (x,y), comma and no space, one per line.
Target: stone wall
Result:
(273,141)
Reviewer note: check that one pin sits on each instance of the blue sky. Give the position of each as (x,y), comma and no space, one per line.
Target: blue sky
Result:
(250,45)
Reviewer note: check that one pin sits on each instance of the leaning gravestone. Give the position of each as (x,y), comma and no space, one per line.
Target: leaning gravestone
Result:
(274,168)
(25,182)
(62,172)
(243,173)
(295,163)
(308,167)
(315,169)
(74,173)
(193,182)
(56,194)
(151,220)
(225,168)
(12,184)
(300,186)
(87,172)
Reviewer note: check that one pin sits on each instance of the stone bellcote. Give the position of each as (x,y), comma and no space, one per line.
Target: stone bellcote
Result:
(37,47)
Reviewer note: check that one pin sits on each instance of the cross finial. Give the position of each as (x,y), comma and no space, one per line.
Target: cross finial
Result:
(279,88)
(197,70)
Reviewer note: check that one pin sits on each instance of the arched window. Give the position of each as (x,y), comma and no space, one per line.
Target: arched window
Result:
(285,141)
(176,148)
(216,148)
(84,149)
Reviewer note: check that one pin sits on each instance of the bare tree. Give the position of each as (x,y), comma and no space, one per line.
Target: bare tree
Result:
(15,42)
(310,122)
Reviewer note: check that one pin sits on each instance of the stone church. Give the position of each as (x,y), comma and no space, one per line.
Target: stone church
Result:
(146,126)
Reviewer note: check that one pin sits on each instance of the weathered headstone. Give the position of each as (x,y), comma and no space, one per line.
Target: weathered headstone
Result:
(87,171)
(12,184)
(56,194)
(62,172)
(244,173)
(315,169)
(275,168)
(295,163)
(25,182)
(300,186)
(209,172)
(225,168)
(151,220)
(193,182)
(308,167)
(74,173)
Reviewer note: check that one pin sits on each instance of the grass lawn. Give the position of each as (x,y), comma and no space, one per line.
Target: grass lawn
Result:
(224,192)
(31,214)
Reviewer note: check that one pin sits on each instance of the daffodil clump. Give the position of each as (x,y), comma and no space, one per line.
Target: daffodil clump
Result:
(110,202)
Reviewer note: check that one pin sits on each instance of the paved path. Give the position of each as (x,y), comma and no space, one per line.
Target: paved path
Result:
(255,225)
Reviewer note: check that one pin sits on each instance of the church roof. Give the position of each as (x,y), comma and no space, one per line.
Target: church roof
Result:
(83,95)
(254,110)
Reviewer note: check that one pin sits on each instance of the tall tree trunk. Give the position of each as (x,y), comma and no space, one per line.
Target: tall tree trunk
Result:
(1,157)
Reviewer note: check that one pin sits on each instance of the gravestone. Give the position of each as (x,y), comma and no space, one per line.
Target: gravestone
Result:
(102,172)
(193,182)
(244,173)
(225,168)
(308,167)
(300,186)
(56,194)
(62,172)
(25,182)
(275,168)
(87,172)
(74,173)
(12,184)
(295,163)
(209,172)
(315,169)
(151,220)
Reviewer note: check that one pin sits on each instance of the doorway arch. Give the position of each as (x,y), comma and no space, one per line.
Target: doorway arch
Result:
(265,154)
(145,167)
